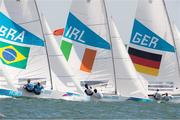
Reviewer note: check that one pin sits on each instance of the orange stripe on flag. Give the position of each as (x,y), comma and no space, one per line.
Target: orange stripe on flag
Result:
(58,32)
(88,60)
(147,70)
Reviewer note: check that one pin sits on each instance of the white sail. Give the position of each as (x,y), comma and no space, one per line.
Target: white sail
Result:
(62,76)
(91,61)
(129,82)
(95,59)
(176,33)
(38,60)
(23,38)
(4,83)
(152,46)
(177,39)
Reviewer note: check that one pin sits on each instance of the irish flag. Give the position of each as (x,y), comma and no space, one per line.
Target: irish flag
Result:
(79,40)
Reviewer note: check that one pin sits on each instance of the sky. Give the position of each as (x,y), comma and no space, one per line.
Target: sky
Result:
(122,11)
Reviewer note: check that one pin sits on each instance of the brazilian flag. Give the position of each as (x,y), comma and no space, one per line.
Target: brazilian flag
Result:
(13,55)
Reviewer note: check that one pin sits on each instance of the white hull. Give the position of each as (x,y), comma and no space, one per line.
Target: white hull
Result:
(175,99)
(110,98)
(53,94)
(3,97)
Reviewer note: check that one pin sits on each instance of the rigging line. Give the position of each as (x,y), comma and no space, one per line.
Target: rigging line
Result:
(19,73)
(172,33)
(108,26)
(45,45)
(29,72)
(97,24)
(34,71)
(32,21)
(33,75)
(56,55)
(66,76)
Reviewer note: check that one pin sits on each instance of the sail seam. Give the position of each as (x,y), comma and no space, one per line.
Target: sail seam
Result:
(33,21)
(96,24)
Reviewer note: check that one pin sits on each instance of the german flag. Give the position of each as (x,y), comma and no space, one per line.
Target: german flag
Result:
(145,62)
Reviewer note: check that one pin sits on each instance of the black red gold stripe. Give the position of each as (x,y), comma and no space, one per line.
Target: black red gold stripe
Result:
(143,54)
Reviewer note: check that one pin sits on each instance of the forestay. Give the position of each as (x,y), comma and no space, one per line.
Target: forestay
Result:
(62,76)
(129,82)
(176,33)
(86,45)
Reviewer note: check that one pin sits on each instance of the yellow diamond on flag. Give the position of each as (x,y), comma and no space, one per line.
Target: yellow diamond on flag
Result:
(9,55)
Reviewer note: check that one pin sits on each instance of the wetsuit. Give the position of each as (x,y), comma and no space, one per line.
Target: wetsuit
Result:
(29,87)
(167,98)
(38,89)
(157,96)
(98,95)
(88,92)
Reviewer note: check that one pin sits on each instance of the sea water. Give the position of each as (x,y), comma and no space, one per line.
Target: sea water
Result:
(23,108)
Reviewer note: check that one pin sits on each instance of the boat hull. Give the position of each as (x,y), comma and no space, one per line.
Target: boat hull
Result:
(174,99)
(54,94)
(4,97)
(110,98)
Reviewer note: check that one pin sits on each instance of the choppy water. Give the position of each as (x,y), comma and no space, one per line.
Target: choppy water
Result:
(22,108)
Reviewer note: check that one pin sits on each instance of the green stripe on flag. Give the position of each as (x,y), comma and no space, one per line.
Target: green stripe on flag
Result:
(13,55)
(66,48)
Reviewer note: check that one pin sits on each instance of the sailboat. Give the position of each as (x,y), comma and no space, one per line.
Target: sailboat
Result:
(64,76)
(95,52)
(26,55)
(176,33)
(6,88)
(152,47)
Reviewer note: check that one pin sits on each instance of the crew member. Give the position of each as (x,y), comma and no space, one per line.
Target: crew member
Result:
(157,95)
(167,97)
(97,94)
(38,88)
(88,90)
(29,86)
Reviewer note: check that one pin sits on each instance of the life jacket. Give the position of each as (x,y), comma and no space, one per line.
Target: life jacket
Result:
(88,92)
(157,96)
(167,98)
(98,95)
(38,89)
(29,87)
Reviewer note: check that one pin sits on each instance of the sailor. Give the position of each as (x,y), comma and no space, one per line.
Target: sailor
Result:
(38,88)
(29,86)
(97,94)
(88,90)
(157,95)
(167,97)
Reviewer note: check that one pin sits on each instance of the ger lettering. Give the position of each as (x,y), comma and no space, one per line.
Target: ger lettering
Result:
(145,40)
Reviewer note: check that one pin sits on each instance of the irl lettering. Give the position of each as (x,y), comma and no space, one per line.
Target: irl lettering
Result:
(145,40)
(75,34)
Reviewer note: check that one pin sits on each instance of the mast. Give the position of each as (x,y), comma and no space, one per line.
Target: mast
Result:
(109,32)
(45,45)
(172,34)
